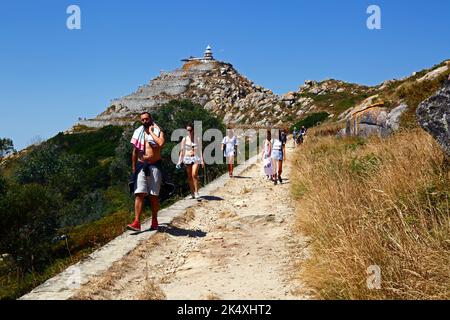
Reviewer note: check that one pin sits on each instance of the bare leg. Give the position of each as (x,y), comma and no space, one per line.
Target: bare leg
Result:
(154,202)
(195,176)
(230,165)
(280,167)
(190,179)
(138,204)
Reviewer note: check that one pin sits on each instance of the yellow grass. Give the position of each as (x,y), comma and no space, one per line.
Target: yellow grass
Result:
(374,203)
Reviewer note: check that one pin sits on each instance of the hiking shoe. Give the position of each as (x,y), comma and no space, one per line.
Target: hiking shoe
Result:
(135,226)
(197,195)
(281,180)
(154,224)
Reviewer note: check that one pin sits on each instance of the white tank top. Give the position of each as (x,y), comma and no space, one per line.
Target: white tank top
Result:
(276,144)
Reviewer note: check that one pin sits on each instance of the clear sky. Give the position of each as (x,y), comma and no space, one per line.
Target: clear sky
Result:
(50,76)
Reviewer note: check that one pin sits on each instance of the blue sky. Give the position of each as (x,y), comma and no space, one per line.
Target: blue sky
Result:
(50,76)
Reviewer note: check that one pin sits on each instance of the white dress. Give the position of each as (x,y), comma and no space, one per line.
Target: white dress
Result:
(267,160)
(229,143)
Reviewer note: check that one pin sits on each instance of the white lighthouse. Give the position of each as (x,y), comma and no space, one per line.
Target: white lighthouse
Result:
(207,57)
(208,53)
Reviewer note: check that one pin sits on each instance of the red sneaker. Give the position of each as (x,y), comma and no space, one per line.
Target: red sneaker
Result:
(135,226)
(154,224)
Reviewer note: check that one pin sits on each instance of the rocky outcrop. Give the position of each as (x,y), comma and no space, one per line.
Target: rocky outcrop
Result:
(215,85)
(372,118)
(434,116)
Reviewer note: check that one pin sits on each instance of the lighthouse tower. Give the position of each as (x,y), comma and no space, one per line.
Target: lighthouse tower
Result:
(207,57)
(208,54)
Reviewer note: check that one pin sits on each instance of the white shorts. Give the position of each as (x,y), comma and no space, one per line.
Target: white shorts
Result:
(149,185)
(192,160)
(277,154)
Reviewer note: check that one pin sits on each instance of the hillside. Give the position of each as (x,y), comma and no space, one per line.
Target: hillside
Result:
(219,88)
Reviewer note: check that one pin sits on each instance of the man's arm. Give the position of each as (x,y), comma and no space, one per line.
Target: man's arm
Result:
(158,139)
(134,157)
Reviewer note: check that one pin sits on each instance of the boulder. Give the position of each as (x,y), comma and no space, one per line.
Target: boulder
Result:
(433,115)
(393,118)
(366,120)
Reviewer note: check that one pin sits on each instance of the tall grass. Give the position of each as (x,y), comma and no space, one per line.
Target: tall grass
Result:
(374,202)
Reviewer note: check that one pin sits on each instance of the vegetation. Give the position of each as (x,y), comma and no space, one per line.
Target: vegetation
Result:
(374,202)
(413,93)
(337,102)
(311,120)
(75,187)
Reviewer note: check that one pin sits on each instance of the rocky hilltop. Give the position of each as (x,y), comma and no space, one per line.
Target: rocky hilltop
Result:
(220,88)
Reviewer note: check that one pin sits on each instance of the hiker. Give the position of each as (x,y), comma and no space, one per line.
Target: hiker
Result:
(146,162)
(266,155)
(229,145)
(302,134)
(294,136)
(191,156)
(278,155)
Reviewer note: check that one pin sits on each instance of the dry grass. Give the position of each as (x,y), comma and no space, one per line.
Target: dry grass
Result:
(374,202)
(327,129)
(151,292)
(212,296)
(183,219)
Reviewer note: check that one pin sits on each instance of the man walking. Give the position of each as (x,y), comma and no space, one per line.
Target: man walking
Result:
(147,142)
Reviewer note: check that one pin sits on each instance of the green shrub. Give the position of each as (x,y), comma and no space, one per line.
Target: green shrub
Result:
(28,223)
(311,120)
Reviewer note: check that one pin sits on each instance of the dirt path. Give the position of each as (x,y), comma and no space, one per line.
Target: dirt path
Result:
(236,244)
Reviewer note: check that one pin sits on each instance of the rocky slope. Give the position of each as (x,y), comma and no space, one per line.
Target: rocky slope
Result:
(220,88)
(434,116)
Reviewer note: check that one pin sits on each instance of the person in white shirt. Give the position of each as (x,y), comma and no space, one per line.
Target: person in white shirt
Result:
(278,155)
(266,155)
(229,144)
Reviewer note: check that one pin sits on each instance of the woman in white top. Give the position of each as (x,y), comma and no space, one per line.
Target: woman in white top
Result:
(229,144)
(191,155)
(278,155)
(266,155)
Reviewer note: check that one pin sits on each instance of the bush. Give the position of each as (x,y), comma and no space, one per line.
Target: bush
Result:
(90,207)
(28,222)
(311,120)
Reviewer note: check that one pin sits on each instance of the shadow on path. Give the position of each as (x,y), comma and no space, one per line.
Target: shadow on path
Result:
(212,198)
(178,232)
